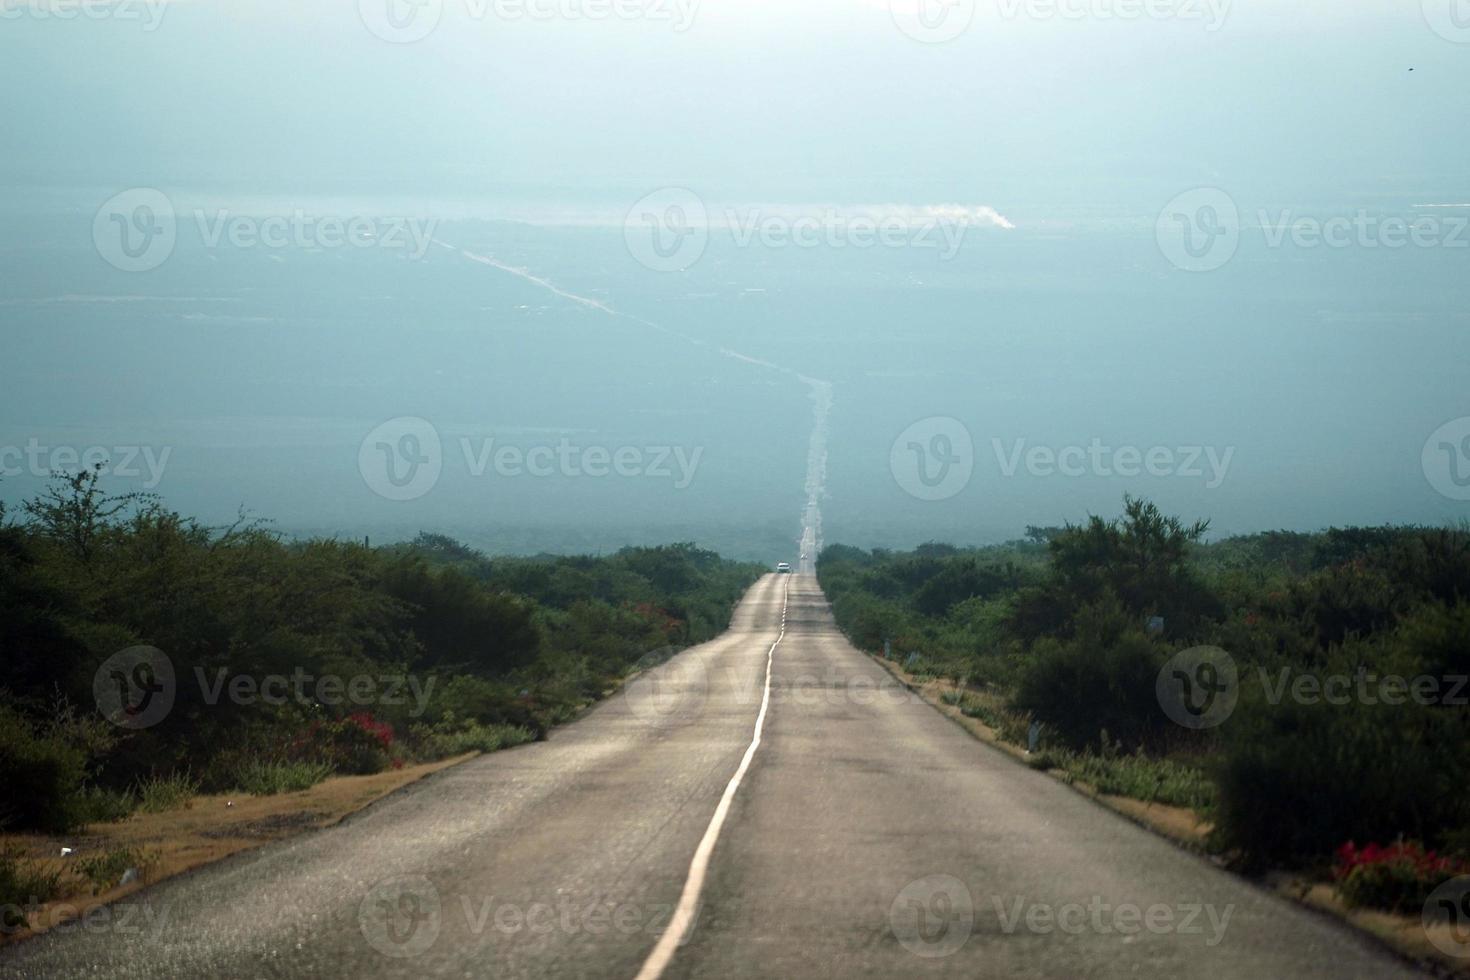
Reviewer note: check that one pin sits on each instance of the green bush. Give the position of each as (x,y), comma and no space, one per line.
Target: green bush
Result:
(1397,878)
(172,792)
(43,777)
(98,804)
(23,883)
(267,777)
(1296,780)
(1141,777)
(1102,680)
(106,870)
(450,740)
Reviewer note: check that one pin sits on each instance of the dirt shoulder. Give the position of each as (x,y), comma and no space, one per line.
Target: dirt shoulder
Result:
(211,828)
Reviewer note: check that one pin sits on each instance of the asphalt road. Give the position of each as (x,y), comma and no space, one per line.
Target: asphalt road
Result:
(867,836)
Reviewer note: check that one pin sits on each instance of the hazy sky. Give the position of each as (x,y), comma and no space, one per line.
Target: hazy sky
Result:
(1061,131)
(1073,103)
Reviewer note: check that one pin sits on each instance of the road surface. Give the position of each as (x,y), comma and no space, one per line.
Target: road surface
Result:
(866,835)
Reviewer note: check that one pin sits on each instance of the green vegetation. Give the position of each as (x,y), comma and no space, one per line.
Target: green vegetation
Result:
(1072,626)
(23,883)
(267,777)
(171,792)
(292,660)
(106,870)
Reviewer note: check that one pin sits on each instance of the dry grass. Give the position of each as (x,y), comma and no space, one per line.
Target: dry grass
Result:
(210,828)
(1404,933)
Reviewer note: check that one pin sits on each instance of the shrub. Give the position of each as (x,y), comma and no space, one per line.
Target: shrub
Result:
(1296,779)
(267,777)
(172,792)
(1398,878)
(1143,778)
(445,741)
(42,775)
(22,883)
(1103,679)
(356,745)
(106,870)
(98,804)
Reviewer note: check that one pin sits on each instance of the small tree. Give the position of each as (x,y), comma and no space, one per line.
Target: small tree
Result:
(75,511)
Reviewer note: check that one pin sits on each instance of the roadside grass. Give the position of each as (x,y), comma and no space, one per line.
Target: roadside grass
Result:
(1106,769)
(172,792)
(990,710)
(106,870)
(96,804)
(57,889)
(1140,777)
(267,777)
(23,883)
(474,737)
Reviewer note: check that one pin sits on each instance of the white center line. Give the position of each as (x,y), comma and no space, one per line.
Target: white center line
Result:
(684,914)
